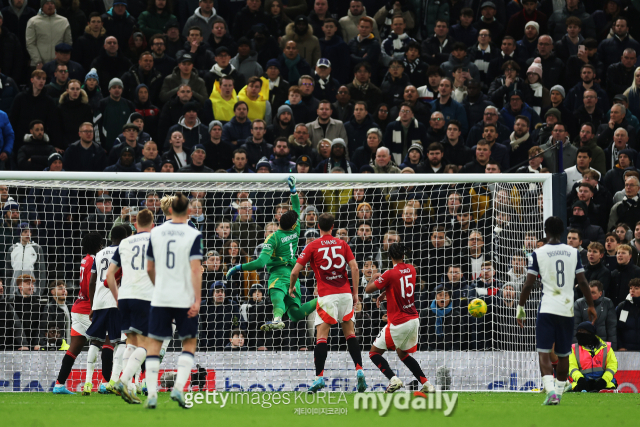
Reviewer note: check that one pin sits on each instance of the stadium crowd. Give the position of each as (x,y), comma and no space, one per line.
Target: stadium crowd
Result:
(327,86)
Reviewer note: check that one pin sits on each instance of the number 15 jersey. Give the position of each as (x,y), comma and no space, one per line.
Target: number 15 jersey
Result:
(329,258)
(131,255)
(400,285)
(557,266)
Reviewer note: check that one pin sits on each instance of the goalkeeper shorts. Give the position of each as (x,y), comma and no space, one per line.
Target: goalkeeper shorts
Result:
(334,308)
(403,336)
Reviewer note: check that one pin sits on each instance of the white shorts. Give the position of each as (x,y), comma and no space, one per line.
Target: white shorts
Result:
(79,325)
(333,309)
(403,336)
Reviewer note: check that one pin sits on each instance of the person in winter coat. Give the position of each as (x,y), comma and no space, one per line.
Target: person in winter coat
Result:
(628,314)
(358,127)
(34,154)
(16,16)
(7,139)
(333,48)
(301,32)
(143,73)
(110,63)
(184,71)
(112,114)
(364,47)
(557,26)
(153,20)
(204,17)
(203,58)
(26,257)
(459,57)
(118,22)
(11,54)
(192,129)
(255,312)
(220,37)
(280,160)
(84,155)
(622,275)
(626,211)
(92,88)
(402,133)
(246,61)
(129,137)
(339,158)
(221,311)
(349,24)
(606,323)
(282,126)
(8,92)
(73,109)
(509,82)
(126,162)
(249,16)
(148,112)
(580,221)
(415,159)
(44,31)
(85,47)
(256,146)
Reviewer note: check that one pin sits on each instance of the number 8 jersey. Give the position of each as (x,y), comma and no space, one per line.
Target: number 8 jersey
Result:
(557,266)
(400,285)
(131,255)
(329,258)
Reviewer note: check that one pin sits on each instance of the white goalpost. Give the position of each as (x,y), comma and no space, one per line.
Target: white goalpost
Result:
(468,237)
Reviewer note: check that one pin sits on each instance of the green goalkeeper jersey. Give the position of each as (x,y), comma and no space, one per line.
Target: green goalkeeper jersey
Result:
(280,248)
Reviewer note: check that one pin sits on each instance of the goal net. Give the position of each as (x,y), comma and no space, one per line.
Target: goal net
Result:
(468,237)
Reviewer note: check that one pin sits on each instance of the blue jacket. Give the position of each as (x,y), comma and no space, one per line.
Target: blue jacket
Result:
(7,93)
(335,50)
(7,137)
(119,168)
(452,110)
(234,131)
(508,118)
(357,132)
(610,50)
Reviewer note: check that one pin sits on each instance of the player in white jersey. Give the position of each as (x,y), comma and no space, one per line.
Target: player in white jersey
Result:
(559,267)
(174,264)
(105,320)
(134,298)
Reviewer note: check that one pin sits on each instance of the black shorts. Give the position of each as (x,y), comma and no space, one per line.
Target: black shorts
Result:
(134,316)
(160,320)
(553,329)
(105,322)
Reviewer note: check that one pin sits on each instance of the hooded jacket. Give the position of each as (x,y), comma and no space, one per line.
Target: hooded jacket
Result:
(34,154)
(121,27)
(109,67)
(308,44)
(256,151)
(202,22)
(349,25)
(86,46)
(398,142)
(72,115)
(133,78)
(43,33)
(203,58)
(193,136)
(335,50)
(173,82)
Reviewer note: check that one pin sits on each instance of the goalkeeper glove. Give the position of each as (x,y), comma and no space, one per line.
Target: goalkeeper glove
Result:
(292,184)
(520,314)
(234,271)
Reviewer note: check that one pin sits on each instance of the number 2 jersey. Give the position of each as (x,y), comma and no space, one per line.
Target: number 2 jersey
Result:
(82,305)
(400,285)
(103,298)
(329,258)
(557,265)
(131,255)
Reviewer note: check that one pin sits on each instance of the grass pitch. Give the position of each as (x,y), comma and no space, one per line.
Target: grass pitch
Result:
(488,409)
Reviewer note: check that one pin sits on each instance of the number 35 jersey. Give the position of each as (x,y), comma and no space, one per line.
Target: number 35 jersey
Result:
(329,258)
(557,266)
(400,285)
(131,255)
(103,298)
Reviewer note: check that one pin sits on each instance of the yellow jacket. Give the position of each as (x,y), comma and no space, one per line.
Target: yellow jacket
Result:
(580,370)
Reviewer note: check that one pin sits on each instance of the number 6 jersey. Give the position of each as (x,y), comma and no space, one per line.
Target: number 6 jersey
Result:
(131,255)
(400,285)
(329,258)
(557,266)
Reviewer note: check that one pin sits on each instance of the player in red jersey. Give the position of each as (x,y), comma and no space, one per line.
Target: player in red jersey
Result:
(401,332)
(329,258)
(91,245)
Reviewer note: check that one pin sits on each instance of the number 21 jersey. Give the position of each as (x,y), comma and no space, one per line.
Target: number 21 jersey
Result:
(131,255)
(400,285)
(329,258)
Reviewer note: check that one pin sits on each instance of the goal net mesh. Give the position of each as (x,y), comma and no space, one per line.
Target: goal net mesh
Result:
(466,239)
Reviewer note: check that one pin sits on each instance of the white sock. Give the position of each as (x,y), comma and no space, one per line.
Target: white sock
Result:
(560,387)
(549,383)
(137,376)
(117,362)
(92,356)
(153,367)
(134,363)
(126,356)
(185,362)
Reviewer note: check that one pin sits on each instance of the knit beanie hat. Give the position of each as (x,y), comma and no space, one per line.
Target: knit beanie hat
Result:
(214,123)
(93,74)
(115,81)
(263,162)
(554,112)
(284,109)
(52,158)
(338,141)
(533,24)
(536,67)
(559,89)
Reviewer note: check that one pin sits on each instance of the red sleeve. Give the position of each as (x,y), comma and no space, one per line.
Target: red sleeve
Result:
(348,253)
(305,256)
(384,280)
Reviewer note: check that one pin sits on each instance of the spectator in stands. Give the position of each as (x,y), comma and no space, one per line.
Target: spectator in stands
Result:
(362,89)
(529,13)
(34,154)
(174,39)
(193,131)
(482,53)
(238,128)
(244,227)
(256,146)
(25,257)
(415,159)
(153,20)
(489,22)
(55,320)
(219,155)
(588,111)
(553,66)
(620,75)
(451,109)
(259,106)
(7,138)
(28,305)
(221,311)
(240,162)
(325,126)
(483,155)
(300,144)
(92,87)
(184,72)
(349,23)
(491,116)
(595,269)
(84,155)
(339,158)
(464,31)
(63,57)
(91,41)
(383,162)
(130,138)
(459,57)
(58,84)
(126,162)
(198,157)
(617,120)
(626,210)
(143,73)
(580,221)
(437,130)
(204,17)
(622,275)
(436,48)
(73,110)
(606,323)
(486,284)
(301,32)
(397,42)
(610,49)
(110,63)
(365,155)
(403,132)
(249,16)
(559,133)
(292,66)
(629,325)
(455,150)
(421,110)
(280,160)
(43,32)
(557,21)
(162,62)
(119,23)
(583,163)
(113,114)
(364,47)
(442,319)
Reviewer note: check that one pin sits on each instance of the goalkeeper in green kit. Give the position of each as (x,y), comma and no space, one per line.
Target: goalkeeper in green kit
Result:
(279,255)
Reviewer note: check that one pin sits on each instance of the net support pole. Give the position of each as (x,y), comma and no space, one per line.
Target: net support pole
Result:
(559,183)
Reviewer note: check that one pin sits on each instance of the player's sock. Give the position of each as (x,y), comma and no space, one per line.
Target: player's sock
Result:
(382,364)
(309,307)
(153,367)
(560,387)
(277,300)
(300,313)
(67,363)
(107,362)
(136,377)
(92,356)
(415,368)
(549,383)
(126,355)
(185,362)
(320,356)
(135,361)
(354,350)
(116,370)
